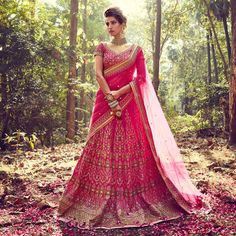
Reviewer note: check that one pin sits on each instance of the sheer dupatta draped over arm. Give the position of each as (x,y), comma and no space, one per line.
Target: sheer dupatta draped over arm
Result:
(163,145)
(141,70)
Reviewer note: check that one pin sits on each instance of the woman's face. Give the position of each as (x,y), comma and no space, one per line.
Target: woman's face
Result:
(114,28)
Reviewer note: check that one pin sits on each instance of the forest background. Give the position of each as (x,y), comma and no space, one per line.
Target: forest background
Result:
(47,92)
(188,53)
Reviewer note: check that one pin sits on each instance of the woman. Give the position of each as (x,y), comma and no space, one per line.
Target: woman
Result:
(130,172)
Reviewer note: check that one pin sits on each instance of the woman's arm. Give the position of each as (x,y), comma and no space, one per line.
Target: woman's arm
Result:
(123,90)
(102,82)
(99,75)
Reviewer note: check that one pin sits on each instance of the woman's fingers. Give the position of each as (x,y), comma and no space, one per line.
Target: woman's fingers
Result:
(115,93)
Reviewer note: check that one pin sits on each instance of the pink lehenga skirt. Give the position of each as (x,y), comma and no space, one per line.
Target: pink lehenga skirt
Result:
(116,182)
(130,172)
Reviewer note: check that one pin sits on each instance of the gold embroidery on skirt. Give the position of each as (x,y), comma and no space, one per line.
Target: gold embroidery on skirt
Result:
(107,117)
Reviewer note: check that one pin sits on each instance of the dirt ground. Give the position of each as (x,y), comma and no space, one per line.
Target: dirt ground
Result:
(32,182)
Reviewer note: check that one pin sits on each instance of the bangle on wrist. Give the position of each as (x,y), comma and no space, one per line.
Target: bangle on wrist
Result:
(109,97)
(113,104)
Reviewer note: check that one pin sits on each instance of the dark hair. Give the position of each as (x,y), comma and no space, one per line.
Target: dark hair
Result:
(117,13)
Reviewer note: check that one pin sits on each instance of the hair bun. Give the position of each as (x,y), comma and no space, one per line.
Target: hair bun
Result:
(117,13)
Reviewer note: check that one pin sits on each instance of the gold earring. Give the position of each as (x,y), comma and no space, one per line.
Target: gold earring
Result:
(123,31)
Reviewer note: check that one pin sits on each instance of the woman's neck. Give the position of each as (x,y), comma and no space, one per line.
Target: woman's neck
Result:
(119,36)
(119,40)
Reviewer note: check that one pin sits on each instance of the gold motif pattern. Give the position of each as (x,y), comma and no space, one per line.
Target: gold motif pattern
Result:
(107,117)
(132,195)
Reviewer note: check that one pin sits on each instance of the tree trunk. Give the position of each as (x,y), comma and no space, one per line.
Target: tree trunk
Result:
(217,41)
(70,108)
(209,76)
(227,37)
(214,58)
(208,59)
(83,69)
(232,93)
(3,110)
(77,112)
(156,61)
(85,108)
(150,7)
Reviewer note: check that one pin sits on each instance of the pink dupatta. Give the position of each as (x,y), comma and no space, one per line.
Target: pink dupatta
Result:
(164,148)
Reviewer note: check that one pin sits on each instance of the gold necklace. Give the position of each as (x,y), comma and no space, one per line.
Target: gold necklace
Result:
(119,41)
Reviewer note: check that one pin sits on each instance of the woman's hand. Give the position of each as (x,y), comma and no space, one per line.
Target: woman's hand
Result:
(116,94)
(116,111)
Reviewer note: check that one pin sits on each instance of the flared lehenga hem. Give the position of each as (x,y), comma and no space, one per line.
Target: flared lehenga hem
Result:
(73,220)
(116,182)
(84,217)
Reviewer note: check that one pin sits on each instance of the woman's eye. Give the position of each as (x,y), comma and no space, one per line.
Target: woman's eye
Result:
(111,23)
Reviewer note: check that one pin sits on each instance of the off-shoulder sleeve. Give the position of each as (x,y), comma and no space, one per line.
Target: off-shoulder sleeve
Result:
(99,50)
(140,67)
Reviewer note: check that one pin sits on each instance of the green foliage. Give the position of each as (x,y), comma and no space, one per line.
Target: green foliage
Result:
(34,50)
(183,123)
(184,71)
(20,140)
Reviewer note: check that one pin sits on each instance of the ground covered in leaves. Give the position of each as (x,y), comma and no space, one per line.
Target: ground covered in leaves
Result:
(32,182)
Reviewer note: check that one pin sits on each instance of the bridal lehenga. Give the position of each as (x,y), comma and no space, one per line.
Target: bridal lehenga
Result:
(130,172)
